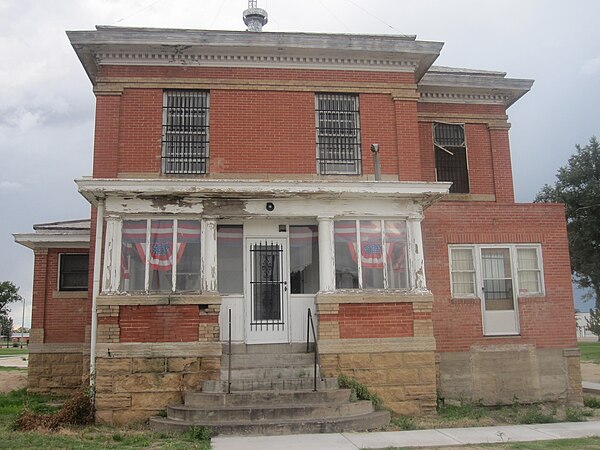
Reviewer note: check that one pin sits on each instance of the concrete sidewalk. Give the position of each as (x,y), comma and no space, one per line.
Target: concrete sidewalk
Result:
(20,361)
(420,438)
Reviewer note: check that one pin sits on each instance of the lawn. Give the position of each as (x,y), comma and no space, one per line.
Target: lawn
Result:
(88,437)
(590,351)
(13,351)
(591,443)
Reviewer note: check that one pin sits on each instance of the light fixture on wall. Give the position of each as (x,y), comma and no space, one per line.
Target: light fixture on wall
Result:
(270,206)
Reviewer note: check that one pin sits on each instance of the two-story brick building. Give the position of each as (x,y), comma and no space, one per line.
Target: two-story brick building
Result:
(264,174)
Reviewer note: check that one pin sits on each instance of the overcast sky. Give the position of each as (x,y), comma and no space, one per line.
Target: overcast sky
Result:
(47,105)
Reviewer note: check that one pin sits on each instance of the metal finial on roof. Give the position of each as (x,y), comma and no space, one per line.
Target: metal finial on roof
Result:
(254,17)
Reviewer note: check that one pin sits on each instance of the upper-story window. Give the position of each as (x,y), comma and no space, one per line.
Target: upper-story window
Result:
(451,155)
(185,137)
(338,134)
(73,273)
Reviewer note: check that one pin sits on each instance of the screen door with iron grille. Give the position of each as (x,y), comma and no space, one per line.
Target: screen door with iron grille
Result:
(267,291)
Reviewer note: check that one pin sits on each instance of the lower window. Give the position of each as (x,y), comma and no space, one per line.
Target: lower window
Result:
(160,256)
(73,274)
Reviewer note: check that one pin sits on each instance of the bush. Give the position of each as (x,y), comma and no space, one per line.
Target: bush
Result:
(574,415)
(591,402)
(358,390)
(15,345)
(404,423)
(200,433)
(77,410)
(534,414)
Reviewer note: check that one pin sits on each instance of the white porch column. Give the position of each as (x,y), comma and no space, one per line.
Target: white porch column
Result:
(416,255)
(326,255)
(209,255)
(112,254)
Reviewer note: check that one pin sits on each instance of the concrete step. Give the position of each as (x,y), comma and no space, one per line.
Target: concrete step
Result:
(278,349)
(222,414)
(265,360)
(269,373)
(270,384)
(207,399)
(362,422)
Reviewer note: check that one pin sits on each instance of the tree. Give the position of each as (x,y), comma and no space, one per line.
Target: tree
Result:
(9,293)
(578,187)
(593,323)
(6,324)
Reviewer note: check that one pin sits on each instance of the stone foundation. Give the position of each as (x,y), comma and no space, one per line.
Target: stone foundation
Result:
(527,375)
(138,381)
(57,369)
(400,371)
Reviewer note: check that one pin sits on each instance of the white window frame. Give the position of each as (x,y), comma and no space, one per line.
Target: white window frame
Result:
(409,250)
(112,254)
(474,271)
(513,248)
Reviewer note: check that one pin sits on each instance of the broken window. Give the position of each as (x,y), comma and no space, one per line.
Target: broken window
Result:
(371,254)
(338,134)
(160,256)
(451,156)
(73,274)
(185,137)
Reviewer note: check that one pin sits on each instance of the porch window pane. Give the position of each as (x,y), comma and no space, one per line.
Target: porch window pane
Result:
(346,261)
(529,271)
(230,258)
(133,256)
(161,254)
(304,259)
(371,250)
(188,255)
(497,279)
(396,254)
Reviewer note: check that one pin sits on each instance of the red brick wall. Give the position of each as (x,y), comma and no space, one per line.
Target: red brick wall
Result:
(262,132)
(375,320)
(547,322)
(106,136)
(167,323)
(378,126)
(236,73)
(63,319)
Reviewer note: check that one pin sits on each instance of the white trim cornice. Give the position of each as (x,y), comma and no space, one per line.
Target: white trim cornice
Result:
(95,189)
(53,240)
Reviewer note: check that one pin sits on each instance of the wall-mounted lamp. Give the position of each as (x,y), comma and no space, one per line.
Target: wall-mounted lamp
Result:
(376,162)
(270,206)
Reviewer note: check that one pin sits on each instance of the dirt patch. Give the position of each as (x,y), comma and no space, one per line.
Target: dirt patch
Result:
(590,372)
(13,380)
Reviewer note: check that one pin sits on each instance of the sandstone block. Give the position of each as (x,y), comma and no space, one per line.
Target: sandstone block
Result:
(387,359)
(154,401)
(183,365)
(104,384)
(193,381)
(73,358)
(210,363)
(148,382)
(112,401)
(403,376)
(114,366)
(128,417)
(412,359)
(355,361)
(372,377)
(405,408)
(66,370)
(148,365)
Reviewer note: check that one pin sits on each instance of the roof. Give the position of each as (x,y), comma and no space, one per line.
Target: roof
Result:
(65,234)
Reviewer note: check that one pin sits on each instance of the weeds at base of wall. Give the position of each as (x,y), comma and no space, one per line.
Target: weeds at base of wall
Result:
(358,391)
(76,410)
(591,402)
(200,433)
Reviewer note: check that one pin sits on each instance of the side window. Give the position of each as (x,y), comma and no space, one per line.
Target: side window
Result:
(230,259)
(462,272)
(73,273)
(451,156)
(338,134)
(185,136)
(529,271)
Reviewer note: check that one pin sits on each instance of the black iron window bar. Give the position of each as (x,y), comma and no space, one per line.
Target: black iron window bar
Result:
(451,156)
(267,287)
(185,141)
(338,134)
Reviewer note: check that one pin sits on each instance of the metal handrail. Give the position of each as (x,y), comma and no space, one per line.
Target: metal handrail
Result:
(229,357)
(311,325)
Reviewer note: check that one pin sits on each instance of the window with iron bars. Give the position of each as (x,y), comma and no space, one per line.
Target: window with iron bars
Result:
(185,137)
(451,156)
(338,134)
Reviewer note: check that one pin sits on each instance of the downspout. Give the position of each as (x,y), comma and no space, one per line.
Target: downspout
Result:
(96,289)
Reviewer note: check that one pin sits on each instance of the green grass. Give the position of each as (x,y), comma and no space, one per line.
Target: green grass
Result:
(590,351)
(13,351)
(88,437)
(13,369)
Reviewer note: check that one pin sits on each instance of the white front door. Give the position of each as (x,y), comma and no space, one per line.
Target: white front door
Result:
(500,313)
(266,290)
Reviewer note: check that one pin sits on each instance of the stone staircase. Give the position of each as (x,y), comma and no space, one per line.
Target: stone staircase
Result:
(271,393)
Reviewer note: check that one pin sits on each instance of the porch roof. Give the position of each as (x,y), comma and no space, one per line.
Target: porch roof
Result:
(422,193)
